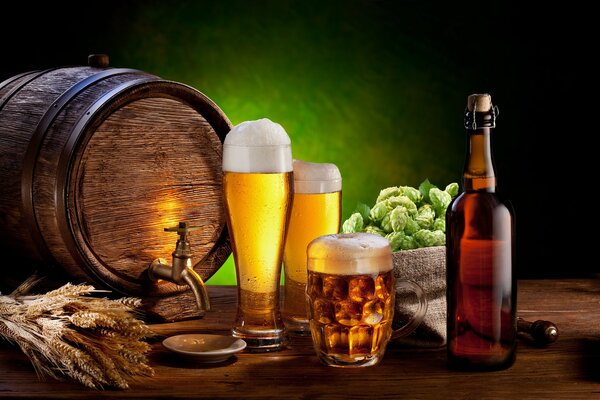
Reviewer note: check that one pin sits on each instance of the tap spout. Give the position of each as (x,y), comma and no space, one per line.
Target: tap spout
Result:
(181,272)
(195,282)
(159,269)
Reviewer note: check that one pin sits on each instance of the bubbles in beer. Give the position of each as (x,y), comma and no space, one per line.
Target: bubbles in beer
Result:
(355,323)
(323,311)
(360,339)
(315,285)
(361,288)
(383,287)
(334,287)
(373,312)
(336,338)
(348,312)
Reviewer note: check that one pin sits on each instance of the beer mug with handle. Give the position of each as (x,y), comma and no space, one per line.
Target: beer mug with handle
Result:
(351,294)
(258,189)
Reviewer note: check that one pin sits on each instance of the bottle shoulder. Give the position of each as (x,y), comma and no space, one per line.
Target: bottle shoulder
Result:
(480,216)
(488,200)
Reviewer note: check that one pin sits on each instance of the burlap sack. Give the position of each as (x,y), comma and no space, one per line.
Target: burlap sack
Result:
(427,268)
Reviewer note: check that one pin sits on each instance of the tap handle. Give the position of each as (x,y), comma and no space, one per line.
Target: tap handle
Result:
(182,229)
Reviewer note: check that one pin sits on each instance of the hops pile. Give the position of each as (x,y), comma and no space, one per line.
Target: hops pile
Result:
(408,218)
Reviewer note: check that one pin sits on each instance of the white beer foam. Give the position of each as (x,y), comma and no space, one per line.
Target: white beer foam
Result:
(260,146)
(350,254)
(312,177)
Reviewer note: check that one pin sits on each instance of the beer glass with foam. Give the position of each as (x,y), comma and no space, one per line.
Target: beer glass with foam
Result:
(351,296)
(258,190)
(316,211)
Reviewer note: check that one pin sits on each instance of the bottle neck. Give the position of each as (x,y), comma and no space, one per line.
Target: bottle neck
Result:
(479,174)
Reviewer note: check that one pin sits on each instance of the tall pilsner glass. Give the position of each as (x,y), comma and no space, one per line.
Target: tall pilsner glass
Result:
(316,211)
(258,188)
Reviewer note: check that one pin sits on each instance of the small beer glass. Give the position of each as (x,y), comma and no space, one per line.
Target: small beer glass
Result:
(316,211)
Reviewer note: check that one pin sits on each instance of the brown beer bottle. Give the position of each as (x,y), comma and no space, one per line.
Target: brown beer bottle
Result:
(481,286)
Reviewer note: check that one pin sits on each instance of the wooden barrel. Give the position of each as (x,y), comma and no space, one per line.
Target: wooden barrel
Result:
(94,163)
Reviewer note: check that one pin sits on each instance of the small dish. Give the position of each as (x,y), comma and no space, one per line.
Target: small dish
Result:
(204,348)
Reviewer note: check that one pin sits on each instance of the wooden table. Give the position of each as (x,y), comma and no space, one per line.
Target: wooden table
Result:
(567,369)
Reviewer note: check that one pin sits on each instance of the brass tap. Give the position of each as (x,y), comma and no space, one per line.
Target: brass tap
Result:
(181,271)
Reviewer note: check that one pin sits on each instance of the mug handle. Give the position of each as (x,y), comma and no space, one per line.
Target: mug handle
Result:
(419,314)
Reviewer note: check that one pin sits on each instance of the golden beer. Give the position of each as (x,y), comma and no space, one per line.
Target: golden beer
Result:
(256,207)
(258,189)
(351,315)
(316,211)
(350,294)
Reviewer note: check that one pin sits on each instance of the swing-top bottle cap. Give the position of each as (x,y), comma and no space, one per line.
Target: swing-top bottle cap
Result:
(479,102)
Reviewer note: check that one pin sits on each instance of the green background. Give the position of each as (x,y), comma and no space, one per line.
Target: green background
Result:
(376,87)
(377,113)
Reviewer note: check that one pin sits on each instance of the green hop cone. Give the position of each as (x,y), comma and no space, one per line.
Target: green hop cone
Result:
(386,224)
(408,243)
(425,216)
(399,218)
(413,194)
(411,227)
(378,211)
(353,224)
(426,238)
(439,200)
(400,241)
(395,238)
(452,189)
(403,201)
(364,211)
(439,224)
(440,238)
(387,193)
(374,230)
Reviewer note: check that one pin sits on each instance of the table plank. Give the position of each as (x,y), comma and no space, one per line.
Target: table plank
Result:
(567,369)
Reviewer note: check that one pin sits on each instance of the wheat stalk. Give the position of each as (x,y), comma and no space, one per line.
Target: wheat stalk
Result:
(95,341)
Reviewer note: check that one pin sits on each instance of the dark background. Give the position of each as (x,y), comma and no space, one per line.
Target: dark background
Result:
(377,87)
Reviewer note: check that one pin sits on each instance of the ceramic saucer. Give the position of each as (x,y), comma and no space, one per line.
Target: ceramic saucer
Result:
(204,348)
